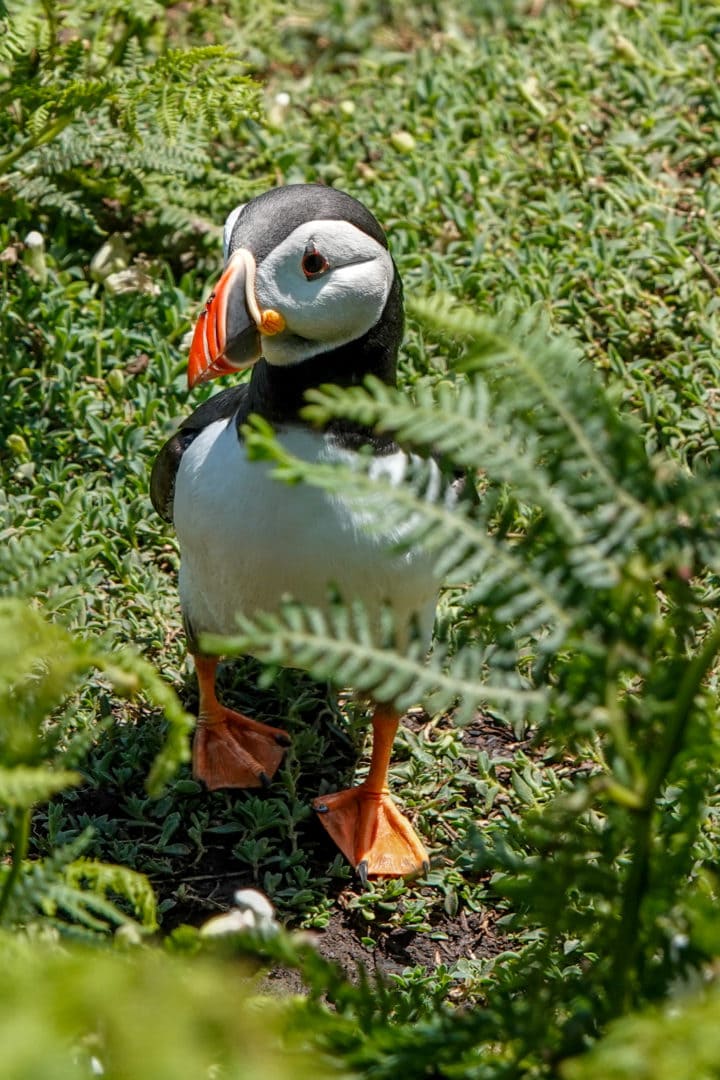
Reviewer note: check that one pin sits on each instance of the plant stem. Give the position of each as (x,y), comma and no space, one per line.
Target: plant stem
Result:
(99,340)
(51,16)
(34,141)
(627,945)
(690,685)
(20,840)
(116,55)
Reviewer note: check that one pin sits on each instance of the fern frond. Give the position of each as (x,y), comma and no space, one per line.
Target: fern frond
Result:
(460,535)
(98,879)
(462,422)
(560,393)
(23,786)
(554,440)
(82,95)
(17,34)
(340,645)
(130,674)
(130,106)
(592,509)
(186,156)
(41,190)
(30,563)
(40,663)
(68,889)
(184,62)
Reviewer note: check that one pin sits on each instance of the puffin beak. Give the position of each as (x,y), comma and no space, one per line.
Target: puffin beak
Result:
(227,334)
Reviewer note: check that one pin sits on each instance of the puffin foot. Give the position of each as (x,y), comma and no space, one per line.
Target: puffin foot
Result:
(231,750)
(372,834)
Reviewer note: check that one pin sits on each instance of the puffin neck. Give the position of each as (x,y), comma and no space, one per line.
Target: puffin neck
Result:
(278,393)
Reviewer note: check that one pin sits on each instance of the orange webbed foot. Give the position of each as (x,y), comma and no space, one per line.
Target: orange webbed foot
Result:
(231,750)
(372,833)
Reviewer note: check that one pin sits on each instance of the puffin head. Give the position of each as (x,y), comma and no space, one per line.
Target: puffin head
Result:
(307,275)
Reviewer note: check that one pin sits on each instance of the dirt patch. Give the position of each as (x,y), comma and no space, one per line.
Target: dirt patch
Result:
(348,939)
(199,849)
(469,935)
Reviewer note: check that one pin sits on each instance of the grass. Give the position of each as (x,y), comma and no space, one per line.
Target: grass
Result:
(564,160)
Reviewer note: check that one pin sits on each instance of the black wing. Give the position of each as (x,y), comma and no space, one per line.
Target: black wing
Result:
(221,406)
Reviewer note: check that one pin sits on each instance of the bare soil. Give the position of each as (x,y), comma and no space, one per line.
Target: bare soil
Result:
(449,938)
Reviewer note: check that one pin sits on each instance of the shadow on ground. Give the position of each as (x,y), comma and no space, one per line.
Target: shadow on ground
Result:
(199,848)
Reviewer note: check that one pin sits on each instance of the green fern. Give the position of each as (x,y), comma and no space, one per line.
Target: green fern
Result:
(41,665)
(573,578)
(69,1013)
(23,785)
(103,111)
(677,1040)
(342,646)
(36,560)
(70,893)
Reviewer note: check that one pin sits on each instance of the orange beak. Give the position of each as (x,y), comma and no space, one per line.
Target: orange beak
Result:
(227,334)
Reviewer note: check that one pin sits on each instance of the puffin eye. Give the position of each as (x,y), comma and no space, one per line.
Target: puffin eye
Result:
(313,262)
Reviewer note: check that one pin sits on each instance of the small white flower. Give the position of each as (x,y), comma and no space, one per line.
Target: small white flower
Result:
(111,257)
(232,922)
(34,257)
(132,279)
(255,901)
(278,110)
(128,933)
(253,911)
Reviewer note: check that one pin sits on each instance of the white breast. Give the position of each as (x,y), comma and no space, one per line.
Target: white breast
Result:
(248,540)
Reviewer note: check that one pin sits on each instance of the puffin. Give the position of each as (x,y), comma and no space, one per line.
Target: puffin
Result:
(309,295)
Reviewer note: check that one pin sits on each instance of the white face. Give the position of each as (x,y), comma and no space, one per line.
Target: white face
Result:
(330,281)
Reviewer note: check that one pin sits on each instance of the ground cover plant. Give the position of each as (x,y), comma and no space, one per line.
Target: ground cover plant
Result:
(552,167)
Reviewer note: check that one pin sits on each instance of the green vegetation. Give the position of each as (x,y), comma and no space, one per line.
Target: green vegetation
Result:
(77,1013)
(553,167)
(110,124)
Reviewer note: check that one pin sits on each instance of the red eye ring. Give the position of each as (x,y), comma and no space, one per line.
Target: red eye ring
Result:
(313,263)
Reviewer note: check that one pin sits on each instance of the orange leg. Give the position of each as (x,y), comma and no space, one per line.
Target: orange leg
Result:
(364,821)
(230,749)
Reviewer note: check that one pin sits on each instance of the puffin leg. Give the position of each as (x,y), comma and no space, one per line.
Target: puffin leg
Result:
(364,821)
(230,749)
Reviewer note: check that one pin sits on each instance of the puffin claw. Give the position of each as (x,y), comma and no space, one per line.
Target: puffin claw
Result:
(322,809)
(362,870)
(264,779)
(283,740)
